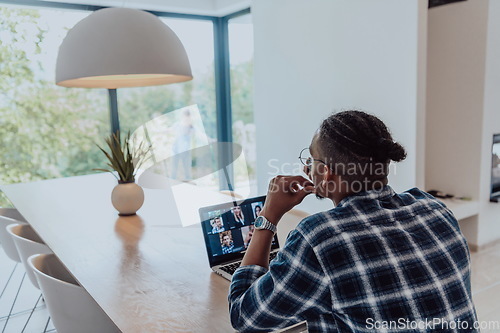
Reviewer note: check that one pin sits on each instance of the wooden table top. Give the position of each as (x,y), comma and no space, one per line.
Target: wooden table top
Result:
(147,272)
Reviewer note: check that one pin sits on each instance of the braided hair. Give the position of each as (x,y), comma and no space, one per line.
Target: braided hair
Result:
(358,145)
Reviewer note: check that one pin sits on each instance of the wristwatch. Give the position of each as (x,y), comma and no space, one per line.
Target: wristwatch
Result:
(262,223)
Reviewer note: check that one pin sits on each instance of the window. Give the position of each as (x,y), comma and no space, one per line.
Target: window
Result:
(240,31)
(136,106)
(46,131)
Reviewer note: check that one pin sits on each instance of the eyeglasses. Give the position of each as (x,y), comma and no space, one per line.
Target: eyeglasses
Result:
(306,159)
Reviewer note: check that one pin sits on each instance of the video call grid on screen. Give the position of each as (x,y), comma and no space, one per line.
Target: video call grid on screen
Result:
(228,228)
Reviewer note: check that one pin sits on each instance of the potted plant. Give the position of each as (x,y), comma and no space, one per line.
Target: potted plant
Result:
(125,159)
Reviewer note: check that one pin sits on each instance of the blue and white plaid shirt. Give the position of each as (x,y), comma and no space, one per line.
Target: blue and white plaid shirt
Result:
(378,262)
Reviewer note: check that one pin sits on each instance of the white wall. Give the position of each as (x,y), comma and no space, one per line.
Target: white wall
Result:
(463,107)
(489,227)
(455,87)
(318,56)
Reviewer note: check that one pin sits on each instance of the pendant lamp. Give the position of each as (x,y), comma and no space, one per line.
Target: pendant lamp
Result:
(121,47)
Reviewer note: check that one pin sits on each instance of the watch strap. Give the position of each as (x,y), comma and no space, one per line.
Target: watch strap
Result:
(267,225)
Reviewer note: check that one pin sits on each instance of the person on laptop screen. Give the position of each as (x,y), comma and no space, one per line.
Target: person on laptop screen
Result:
(377,261)
(247,233)
(217,225)
(257,210)
(226,242)
(238,216)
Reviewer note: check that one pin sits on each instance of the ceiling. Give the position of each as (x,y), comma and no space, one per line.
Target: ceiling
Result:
(198,7)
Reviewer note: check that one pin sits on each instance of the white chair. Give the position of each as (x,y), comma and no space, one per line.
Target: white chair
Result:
(10,249)
(8,243)
(70,307)
(27,244)
(6,240)
(289,222)
(13,214)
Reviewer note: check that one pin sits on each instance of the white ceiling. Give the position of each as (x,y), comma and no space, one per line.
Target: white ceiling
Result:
(199,7)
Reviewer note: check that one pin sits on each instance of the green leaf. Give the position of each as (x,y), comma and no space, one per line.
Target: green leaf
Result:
(121,157)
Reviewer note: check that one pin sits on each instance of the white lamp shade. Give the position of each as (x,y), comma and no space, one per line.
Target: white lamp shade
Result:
(121,47)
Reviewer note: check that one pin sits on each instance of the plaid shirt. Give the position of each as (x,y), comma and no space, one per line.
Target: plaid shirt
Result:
(378,262)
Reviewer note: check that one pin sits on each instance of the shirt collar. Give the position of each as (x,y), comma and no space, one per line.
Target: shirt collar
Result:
(380,194)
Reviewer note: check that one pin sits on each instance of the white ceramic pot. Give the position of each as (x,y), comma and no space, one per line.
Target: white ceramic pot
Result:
(127,198)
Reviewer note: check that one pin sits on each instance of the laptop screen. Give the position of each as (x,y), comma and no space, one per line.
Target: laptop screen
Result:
(227,229)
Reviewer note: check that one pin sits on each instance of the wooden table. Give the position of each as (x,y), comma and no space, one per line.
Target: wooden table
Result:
(147,272)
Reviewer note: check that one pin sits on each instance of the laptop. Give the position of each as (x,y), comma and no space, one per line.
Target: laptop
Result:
(227,230)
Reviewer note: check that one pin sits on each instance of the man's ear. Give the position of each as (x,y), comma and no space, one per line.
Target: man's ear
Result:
(328,174)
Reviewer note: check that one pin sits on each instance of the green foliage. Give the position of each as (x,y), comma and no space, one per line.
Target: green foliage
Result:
(138,105)
(157,100)
(18,26)
(242,92)
(46,131)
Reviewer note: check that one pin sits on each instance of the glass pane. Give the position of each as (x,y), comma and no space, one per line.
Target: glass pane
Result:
(47,131)
(138,106)
(241,70)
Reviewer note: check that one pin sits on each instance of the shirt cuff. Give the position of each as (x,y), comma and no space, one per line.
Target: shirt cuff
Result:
(242,279)
(249,273)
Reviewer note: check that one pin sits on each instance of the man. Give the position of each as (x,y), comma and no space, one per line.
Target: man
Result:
(227,243)
(377,262)
(217,225)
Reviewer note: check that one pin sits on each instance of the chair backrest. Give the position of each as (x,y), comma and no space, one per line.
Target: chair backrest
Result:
(6,240)
(70,307)
(27,243)
(289,222)
(13,214)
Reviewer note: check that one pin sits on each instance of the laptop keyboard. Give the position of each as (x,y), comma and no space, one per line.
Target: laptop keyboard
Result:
(231,268)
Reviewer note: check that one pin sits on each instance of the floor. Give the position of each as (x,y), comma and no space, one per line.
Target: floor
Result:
(27,298)
(485,282)
(485,288)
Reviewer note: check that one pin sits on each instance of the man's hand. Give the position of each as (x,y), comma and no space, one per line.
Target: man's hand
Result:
(284,193)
